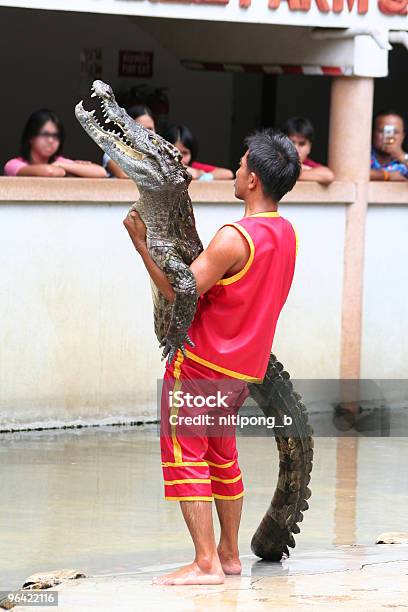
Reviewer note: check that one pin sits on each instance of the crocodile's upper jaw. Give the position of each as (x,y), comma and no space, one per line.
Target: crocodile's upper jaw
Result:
(146,157)
(114,144)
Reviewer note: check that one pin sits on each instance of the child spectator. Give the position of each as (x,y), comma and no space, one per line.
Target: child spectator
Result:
(41,147)
(389,161)
(142,115)
(301,133)
(181,137)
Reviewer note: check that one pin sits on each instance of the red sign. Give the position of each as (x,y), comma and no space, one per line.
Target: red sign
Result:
(388,7)
(136,64)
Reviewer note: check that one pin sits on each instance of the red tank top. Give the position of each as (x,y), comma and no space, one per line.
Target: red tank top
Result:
(235,321)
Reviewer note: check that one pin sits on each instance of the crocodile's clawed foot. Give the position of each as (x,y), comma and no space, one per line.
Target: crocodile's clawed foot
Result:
(189,341)
(171,347)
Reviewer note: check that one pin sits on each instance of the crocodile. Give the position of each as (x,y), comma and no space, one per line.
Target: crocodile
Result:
(173,242)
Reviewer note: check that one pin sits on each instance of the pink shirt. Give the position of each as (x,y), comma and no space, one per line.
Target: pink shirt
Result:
(204,167)
(312,164)
(14,165)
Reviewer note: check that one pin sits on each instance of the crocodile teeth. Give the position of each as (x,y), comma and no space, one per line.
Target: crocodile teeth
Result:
(93,95)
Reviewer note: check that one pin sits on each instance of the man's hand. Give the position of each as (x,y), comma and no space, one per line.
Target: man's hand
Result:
(136,229)
(397,176)
(195,172)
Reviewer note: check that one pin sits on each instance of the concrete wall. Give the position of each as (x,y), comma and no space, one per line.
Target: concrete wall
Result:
(385,321)
(76,339)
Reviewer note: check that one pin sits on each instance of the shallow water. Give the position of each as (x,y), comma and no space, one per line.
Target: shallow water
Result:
(92,499)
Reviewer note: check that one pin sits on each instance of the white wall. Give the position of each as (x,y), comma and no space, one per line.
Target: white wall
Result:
(76,337)
(307,339)
(385,310)
(39,59)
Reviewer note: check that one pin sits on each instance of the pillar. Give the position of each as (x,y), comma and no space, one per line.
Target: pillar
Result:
(349,157)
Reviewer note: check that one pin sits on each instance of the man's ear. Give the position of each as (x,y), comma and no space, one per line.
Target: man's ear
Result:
(252,181)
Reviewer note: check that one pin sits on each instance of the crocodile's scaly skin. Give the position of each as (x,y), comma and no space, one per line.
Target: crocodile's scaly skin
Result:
(172,241)
(164,206)
(276,397)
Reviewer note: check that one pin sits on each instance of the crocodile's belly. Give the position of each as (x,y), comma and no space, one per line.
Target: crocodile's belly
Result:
(184,251)
(161,312)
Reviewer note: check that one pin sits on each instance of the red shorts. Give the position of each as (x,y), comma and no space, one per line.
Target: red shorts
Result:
(198,465)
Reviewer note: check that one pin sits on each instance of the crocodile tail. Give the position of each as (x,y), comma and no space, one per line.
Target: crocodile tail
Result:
(276,397)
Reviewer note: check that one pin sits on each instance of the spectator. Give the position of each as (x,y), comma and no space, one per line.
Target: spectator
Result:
(142,115)
(301,133)
(41,147)
(389,162)
(183,139)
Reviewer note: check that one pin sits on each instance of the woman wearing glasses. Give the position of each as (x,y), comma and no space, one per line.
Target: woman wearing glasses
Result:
(41,145)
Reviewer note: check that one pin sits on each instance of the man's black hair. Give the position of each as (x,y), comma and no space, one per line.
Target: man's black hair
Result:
(299,125)
(391,111)
(275,161)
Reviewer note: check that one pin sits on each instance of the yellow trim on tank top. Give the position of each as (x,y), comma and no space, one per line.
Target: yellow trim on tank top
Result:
(235,277)
(217,368)
(297,238)
(276,214)
(270,213)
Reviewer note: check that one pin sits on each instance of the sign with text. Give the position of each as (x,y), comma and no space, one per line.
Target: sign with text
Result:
(387,7)
(377,14)
(136,64)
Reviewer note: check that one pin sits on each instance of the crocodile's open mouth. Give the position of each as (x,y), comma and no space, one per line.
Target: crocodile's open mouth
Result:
(117,139)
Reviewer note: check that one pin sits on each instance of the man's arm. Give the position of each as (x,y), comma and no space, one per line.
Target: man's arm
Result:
(386,175)
(320,174)
(116,170)
(227,253)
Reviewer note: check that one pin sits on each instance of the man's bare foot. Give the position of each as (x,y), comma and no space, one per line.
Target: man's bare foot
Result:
(193,574)
(230,562)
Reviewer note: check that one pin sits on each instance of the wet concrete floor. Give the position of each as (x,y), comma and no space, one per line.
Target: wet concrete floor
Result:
(92,499)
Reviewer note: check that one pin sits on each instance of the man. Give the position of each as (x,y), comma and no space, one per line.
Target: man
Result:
(301,132)
(389,162)
(243,278)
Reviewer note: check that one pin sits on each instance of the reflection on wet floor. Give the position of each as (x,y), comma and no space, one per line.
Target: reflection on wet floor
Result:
(92,499)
